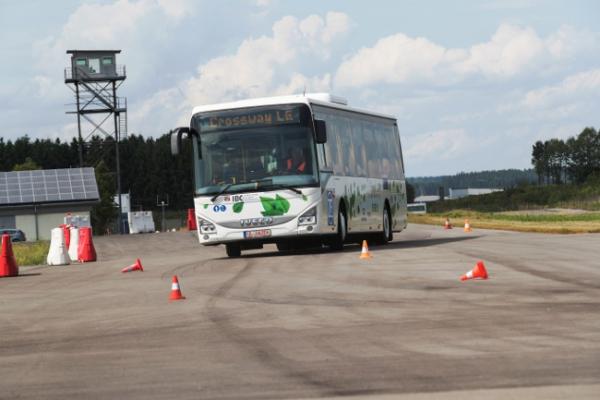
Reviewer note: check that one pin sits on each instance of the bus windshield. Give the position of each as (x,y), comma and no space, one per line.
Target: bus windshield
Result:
(254,158)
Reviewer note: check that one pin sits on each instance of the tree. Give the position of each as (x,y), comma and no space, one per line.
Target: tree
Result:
(537,160)
(104,213)
(28,165)
(410,193)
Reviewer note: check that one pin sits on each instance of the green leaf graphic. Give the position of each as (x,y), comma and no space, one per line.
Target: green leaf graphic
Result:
(283,204)
(205,206)
(274,207)
(237,207)
(304,197)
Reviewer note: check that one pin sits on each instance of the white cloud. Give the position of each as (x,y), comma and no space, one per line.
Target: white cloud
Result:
(259,65)
(511,51)
(108,26)
(574,88)
(442,144)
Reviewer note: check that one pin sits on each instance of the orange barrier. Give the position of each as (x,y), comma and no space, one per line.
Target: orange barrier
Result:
(175,290)
(86,251)
(67,232)
(478,272)
(8,263)
(191,220)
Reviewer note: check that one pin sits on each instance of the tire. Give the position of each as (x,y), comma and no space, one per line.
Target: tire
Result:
(283,246)
(386,234)
(233,250)
(338,242)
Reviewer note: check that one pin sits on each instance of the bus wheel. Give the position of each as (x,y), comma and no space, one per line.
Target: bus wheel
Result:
(338,242)
(386,234)
(283,246)
(233,250)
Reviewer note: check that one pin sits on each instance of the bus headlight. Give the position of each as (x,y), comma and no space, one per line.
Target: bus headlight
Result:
(309,217)
(206,227)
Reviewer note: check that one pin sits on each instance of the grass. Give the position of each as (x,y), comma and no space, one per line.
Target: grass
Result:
(31,253)
(544,223)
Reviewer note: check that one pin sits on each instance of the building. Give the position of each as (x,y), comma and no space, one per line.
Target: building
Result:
(37,201)
(459,193)
(426,199)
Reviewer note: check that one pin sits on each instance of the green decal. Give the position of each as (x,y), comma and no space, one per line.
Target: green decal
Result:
(274,207)
(205,206)
(237,207)
(304,197)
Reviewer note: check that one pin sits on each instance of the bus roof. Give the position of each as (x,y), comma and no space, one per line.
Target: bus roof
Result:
(323,99)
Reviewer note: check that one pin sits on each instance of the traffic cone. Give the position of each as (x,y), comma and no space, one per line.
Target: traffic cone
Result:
(447,224)
(364,253)
(137,266)
(8,263)
(86,251)
(478,272)
(175,290)
(467,226)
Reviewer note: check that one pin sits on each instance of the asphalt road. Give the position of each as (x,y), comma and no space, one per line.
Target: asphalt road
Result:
(310,325)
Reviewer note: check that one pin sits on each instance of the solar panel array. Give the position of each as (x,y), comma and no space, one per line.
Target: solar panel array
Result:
(51,185)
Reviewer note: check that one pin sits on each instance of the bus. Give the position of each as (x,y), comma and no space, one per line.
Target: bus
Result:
(297,171)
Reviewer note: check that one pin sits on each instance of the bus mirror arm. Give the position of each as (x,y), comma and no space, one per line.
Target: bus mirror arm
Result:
(177,135)
(320,131)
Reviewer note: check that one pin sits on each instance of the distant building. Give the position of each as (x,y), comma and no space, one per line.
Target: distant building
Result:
(459,193)
(426,199)
(37,201)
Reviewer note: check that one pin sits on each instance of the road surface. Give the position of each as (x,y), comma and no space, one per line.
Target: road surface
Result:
(312,324)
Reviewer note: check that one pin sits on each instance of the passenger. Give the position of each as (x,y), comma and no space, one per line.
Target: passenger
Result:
(296,163)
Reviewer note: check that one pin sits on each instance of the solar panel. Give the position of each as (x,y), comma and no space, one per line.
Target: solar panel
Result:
(51,185)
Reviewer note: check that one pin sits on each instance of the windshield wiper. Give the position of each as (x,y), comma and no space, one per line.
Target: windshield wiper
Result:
(280,186)
(220,192)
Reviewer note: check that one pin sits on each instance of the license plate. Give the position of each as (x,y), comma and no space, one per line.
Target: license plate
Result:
(261,233)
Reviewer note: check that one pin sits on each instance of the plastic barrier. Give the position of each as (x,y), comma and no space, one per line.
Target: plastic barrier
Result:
(57,255)
(86,251)
(135,222)
(191,220)
(8,263)
(148,222)
(67,233)
(140,222)
(74,244)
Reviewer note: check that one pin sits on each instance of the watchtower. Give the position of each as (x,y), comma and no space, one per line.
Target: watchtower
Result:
(94,77)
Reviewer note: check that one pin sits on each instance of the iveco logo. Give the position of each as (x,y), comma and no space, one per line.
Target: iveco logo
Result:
(256,221)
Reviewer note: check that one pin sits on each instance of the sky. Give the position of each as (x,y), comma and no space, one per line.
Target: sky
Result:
(473,84)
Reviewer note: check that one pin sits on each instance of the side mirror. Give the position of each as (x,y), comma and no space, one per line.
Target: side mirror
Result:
(177,135)
(320,131)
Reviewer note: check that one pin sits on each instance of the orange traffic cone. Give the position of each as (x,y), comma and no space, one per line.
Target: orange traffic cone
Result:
(467,226)
(447,224)
(364,253)
(478,272)
(8,263)
(137,266)
(175,290)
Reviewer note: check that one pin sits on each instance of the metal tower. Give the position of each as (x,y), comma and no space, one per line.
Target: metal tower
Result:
(94,77)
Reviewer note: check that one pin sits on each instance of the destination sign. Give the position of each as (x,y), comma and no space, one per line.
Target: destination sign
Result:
(249,119)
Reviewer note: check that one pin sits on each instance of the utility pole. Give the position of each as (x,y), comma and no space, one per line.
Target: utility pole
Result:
(162,205)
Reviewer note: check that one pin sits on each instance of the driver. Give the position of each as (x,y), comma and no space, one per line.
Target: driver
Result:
(296,163)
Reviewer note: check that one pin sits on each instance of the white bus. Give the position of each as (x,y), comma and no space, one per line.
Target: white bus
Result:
(297,171)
